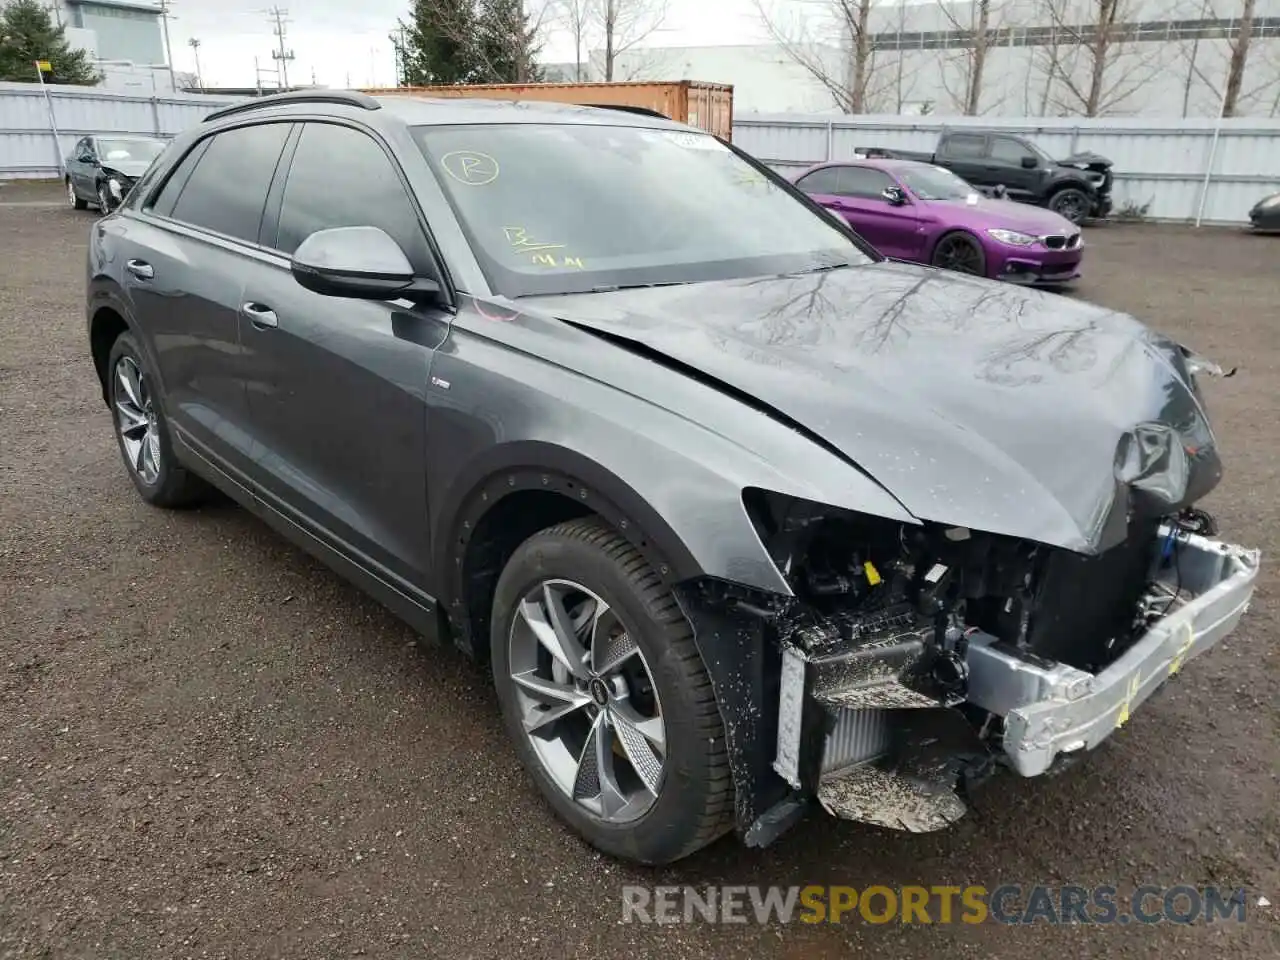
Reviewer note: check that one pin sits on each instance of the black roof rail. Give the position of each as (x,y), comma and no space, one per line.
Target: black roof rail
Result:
(628,108)
(350,98)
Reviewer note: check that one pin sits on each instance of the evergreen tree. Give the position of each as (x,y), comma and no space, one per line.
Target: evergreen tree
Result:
(507,43)
(439,43)
(28,34)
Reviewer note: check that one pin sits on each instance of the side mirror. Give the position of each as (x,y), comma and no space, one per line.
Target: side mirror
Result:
(895,195)
(1029,163)
(363,263)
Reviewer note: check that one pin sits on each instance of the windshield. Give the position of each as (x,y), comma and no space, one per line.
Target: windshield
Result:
(934,183)
(146,150)
(570,208)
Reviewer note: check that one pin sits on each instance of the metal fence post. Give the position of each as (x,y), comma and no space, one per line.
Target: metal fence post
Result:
(831,139)
(155,115)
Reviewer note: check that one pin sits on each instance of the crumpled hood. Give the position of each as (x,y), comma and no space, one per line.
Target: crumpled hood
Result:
(974,403)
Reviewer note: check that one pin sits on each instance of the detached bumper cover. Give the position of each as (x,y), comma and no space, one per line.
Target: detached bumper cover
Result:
(1051,709)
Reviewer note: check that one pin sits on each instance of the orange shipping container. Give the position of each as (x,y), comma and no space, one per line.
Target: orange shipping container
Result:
(708,106)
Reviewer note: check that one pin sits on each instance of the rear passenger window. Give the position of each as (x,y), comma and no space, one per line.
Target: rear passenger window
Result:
(341,177)
(228,188)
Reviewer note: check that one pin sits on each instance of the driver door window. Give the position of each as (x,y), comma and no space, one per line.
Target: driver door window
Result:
(341,177)
(863,183)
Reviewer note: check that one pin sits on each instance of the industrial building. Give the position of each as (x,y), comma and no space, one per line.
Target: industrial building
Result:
(124,39)
(1166,58)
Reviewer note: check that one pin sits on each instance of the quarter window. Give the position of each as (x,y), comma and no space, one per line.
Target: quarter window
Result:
(341,177)
(228,187)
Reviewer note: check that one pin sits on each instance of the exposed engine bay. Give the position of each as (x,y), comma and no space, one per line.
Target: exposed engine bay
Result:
(917,660)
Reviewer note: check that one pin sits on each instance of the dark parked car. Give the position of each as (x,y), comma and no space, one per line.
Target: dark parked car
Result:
(102,169)
(1078,187)
(744,518)
(916,211)
(1265,215)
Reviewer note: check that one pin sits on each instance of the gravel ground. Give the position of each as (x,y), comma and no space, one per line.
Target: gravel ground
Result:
(212,746)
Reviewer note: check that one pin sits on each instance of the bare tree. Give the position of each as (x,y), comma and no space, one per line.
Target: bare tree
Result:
(1234,96)
(979,31)
(576,17)
(1112,64)
(1048,57)
(624,24)
(847,78)
(1238,46)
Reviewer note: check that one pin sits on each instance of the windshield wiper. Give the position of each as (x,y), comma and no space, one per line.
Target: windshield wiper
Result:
(612,287)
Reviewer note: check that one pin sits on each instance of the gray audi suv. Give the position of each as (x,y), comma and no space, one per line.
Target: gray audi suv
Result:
(745,519)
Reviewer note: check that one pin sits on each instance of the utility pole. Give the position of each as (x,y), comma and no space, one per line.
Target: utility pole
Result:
(280,55)
(168,51)
(195,46)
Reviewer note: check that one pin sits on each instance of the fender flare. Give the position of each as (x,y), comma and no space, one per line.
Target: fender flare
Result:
(540,465)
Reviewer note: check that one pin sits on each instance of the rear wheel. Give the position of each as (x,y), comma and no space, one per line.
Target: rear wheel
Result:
(962,253)
(143,433)
(73,198)
(1071,203)
(606,697)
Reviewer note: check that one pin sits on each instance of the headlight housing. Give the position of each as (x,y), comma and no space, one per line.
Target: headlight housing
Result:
(1012,237)
(117,189)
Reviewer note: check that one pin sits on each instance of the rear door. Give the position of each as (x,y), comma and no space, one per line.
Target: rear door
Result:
(186,260)
(965,155)
(337,386)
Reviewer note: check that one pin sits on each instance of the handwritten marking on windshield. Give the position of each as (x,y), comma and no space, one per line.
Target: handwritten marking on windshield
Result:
(521,242)
(470,167)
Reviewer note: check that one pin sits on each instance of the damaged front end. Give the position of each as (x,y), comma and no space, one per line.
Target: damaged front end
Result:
(913,661)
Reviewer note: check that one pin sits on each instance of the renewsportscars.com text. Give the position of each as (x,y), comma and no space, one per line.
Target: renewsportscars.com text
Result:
(1007,903)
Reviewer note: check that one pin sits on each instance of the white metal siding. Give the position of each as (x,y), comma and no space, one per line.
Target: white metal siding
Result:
(1157,162)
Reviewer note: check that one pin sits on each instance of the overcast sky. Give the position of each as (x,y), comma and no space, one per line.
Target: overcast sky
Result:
(341,42)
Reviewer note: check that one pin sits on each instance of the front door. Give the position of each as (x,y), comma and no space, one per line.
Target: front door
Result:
(889,228)
(337,386)
(1007,155)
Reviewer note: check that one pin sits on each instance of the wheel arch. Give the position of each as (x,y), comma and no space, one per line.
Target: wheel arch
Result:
(951,232)
(500,505)
(105,327)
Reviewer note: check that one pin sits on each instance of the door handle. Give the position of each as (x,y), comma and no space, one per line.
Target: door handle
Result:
(260,315)
(141,269)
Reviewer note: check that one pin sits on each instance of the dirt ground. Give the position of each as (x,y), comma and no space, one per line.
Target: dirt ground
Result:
(210,746)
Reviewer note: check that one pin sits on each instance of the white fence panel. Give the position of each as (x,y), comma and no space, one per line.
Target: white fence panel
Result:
(1160,164)
(26,141)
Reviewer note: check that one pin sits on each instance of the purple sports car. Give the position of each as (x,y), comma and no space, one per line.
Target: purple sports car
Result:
(916,211)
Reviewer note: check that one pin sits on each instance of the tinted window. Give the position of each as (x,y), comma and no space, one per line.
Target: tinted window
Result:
(341,178)
(964,145)
(1008,150)
(566,208)
(825,180)
(228,188)
(863,182)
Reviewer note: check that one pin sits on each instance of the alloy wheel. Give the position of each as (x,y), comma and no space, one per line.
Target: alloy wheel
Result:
(959,254)
(1071,206)
(136,420)
(587,700)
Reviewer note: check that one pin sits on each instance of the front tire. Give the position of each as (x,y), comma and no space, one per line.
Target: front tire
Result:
(606,697)
(960,252)
(73,198)
(142,433)
(1072,203)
